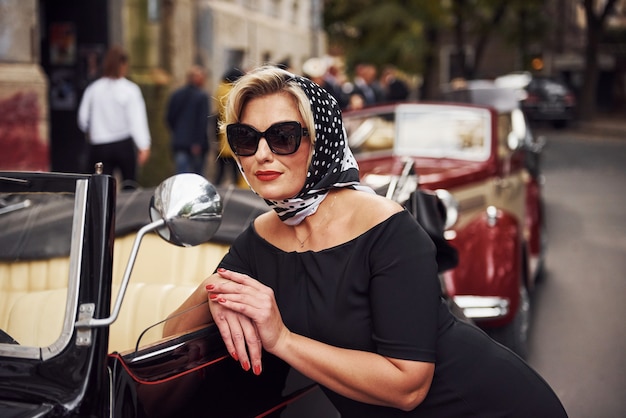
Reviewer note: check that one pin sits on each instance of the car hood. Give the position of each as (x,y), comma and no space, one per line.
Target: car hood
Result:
(434,173)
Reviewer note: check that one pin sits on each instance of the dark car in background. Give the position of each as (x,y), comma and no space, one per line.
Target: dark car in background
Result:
(542,99)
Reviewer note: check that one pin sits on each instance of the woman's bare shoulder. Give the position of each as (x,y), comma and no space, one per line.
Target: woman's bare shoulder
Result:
(369,209)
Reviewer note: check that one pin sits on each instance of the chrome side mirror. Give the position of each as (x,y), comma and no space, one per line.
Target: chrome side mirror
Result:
(189,206)
(186,210)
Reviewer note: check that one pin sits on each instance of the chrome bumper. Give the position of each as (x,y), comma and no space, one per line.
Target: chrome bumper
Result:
(483,307)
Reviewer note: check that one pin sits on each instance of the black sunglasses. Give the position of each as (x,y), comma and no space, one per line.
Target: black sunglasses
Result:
(283,138)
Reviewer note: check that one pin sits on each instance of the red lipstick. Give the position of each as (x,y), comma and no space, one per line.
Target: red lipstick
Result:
(267,175)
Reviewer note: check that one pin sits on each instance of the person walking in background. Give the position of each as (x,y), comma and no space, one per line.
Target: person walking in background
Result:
(112,113)
(225,160)
(365,85)
(394,88)
(187,116)
(317,69)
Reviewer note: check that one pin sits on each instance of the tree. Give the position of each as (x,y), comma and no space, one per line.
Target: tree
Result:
(386,32)
(483,24)
(476,22)
(407,33)
(595,31)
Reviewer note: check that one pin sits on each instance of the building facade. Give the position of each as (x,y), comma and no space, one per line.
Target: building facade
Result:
(246,33)
(50,50)
(24,130)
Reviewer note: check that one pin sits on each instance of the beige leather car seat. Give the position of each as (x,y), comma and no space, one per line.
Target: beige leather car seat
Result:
(33,293)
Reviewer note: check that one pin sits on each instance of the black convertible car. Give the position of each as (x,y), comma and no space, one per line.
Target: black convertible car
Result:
(87,277)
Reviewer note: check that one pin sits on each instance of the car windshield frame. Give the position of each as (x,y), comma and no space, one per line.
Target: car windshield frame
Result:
(77,235)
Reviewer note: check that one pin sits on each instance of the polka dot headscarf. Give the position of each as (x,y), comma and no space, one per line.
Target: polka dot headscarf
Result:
(332,165)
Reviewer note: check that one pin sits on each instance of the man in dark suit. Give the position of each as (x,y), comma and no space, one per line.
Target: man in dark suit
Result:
(187,117)
(366,83)
(395,89)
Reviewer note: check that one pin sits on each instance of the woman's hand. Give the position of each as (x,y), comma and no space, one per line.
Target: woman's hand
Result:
(358,375)
(247,315)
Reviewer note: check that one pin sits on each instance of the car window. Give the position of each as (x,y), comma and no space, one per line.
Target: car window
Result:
(554,88)
(36,231)
(371,132)
(548,87)
(443,132)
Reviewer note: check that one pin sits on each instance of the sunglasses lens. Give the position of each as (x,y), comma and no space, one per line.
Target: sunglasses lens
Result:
(284,138)
(242,139)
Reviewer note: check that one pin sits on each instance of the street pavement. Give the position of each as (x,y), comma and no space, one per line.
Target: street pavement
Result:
(612,126)
(578,337)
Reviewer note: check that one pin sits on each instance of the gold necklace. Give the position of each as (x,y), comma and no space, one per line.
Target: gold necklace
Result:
(317,226)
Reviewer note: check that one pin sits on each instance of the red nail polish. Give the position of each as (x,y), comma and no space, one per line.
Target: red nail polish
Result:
(221,270)
(221,300)
(246,366)
(210,287)
(235,356)
(257,369)
(213,296)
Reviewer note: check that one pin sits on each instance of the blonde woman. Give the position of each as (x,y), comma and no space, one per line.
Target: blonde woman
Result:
(341,283)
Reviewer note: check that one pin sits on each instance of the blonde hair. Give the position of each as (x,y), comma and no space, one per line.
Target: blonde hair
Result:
(261,82)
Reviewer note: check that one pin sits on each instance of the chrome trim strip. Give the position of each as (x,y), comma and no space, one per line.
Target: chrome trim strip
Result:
(76,257)
(151,354)
(483,307)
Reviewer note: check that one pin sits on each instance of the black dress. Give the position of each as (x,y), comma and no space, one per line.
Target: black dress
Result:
(380,293)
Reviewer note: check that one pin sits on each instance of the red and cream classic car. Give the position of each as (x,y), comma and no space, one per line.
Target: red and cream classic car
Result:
(483,162)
